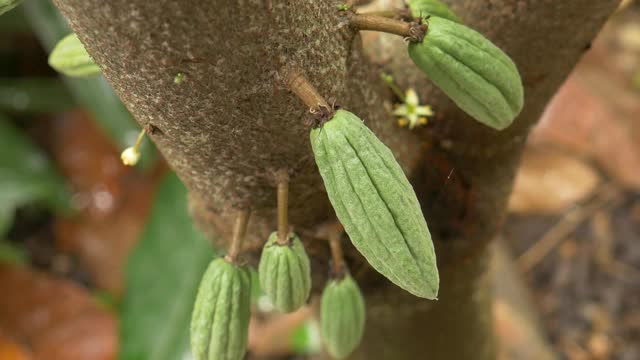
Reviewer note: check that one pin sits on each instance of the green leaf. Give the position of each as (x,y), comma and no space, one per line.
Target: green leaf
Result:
(34,95)
(26,176)
(93,94)
(11,254)
(163,275)
(306,338)
(7,5)
(14,22)
(70,58)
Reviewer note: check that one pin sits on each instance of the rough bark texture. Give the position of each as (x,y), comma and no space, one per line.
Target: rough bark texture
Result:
(231,124)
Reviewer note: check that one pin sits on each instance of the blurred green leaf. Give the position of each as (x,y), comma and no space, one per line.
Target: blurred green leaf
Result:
(14,22)
(10,253)
(162,279)
(636,79)
(6,219)
(306,338)
(105,300)
(26,176)
(34,95)
(93,94)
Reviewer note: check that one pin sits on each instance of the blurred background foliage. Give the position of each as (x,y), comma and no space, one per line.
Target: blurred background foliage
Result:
(101,261)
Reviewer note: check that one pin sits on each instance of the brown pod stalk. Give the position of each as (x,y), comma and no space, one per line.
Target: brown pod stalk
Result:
(239,230)
(283,207)
(335,238)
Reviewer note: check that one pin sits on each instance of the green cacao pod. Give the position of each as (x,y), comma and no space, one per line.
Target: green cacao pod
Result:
(256,289)
(6,5)
(480,78)
(285,273)
(220,319)
(376,203)
(70,58)
(434,8)
(342,316)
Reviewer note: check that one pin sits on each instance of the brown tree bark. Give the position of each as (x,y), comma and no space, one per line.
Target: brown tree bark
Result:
(232,124)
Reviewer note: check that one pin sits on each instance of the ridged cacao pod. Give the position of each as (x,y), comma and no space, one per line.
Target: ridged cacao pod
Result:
(285,273)
(480,78)
(434,8)
(6,5)
(376,203)
(70,58)
(220,319)
(256,289)
(342,316)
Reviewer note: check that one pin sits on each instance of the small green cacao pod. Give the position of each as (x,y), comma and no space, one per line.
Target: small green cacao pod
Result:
(285,273)
(375,203)
(70,58)
(342,316)
(480,78)
(6,5)
(434,8)
(220,319)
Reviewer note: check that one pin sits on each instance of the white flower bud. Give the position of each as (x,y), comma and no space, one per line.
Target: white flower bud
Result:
(130,156)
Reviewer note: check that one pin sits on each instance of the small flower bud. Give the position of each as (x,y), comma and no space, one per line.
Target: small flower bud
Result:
(130,156)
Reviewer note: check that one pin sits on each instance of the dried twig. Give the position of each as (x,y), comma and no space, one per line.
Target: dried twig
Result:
(565,227)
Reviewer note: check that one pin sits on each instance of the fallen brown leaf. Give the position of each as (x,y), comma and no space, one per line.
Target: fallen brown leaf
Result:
(114,199)
(580,121)
(11,350)
(56,319)
(549,182)
(272,336)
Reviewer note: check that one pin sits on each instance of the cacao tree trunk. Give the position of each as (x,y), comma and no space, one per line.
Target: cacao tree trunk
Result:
(232,123)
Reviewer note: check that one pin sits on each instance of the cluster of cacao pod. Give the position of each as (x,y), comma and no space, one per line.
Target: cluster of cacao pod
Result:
(372,198)
(222,309)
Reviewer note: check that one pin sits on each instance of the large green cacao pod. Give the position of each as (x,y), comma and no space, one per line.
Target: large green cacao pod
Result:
(480,78)
(434,8)
(220,319)
(376,204)
(342,316)
(285,273)
(6,5)
(70,58)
